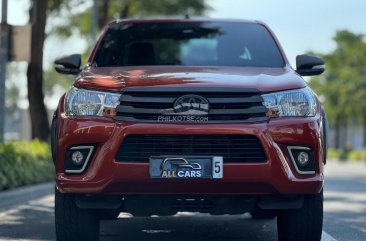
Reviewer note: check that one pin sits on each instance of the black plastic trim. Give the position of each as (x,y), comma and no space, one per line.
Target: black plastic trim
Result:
(233,148)
(214,204)
(281,201)
(250,110)
(98,201)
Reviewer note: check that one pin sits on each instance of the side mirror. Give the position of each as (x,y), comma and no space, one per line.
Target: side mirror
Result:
(68,64)
(307,65)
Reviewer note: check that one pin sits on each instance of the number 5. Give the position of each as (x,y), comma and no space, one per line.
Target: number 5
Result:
(217,167)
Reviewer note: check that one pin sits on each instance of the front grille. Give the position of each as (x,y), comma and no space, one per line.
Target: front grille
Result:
(233,148)
(235,105)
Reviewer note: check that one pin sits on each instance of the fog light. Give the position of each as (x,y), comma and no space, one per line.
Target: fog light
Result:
(303,158)
(77,157)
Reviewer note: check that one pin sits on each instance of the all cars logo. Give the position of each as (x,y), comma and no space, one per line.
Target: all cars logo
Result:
(180,167)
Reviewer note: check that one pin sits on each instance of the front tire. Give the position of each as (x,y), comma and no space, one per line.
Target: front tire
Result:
(303,224)
(73,223)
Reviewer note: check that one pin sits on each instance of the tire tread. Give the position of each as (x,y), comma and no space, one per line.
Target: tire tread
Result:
(304,224)
(73,223)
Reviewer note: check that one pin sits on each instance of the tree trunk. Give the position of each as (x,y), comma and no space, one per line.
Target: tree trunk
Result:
(345,144)
(38,113)
(337,133)
(104,15)
(125,10)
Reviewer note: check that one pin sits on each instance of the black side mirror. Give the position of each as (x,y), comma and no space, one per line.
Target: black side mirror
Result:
(68,64)
(307,65)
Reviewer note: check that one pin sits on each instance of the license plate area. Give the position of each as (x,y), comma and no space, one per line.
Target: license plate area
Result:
(186,167)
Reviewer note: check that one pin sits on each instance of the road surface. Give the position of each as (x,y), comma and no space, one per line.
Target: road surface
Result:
(27,214)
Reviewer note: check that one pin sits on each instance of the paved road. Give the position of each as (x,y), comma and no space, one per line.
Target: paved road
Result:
(345,201)
(27,214)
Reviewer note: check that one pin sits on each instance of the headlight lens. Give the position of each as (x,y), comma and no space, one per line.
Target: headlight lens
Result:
(89,102)
(299,102)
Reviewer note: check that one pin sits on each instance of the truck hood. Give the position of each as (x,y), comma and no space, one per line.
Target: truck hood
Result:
(116,79)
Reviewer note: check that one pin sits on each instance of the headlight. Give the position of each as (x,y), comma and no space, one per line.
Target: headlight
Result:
(89,102)
(300,102)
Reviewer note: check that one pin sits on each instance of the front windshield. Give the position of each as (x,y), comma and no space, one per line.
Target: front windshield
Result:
(188,43)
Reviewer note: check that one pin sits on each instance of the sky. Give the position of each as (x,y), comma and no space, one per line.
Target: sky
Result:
(300,25)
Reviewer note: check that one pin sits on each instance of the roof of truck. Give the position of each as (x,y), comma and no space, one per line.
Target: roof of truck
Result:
(183,19)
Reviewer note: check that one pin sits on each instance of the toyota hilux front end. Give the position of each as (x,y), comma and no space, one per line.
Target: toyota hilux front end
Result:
(189,115)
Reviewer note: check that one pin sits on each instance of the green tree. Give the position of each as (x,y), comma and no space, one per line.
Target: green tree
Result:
(119,9)
(343,84)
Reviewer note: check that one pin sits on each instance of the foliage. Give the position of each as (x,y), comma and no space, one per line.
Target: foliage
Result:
(81,21)
(23,163)
(357,155)
(343,85)
(334,153)
(54,81)
(344,77)
(353,155)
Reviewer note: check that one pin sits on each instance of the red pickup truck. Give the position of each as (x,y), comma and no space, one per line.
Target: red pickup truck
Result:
(172,115)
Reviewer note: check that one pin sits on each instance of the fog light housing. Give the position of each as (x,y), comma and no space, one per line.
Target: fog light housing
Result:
(77,158)
(302,158)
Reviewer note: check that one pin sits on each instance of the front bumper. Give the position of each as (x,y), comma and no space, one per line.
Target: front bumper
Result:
(106,176)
